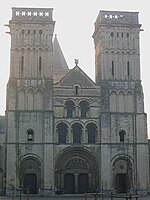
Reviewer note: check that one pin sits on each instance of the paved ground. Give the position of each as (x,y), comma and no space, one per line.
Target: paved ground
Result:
(64,197)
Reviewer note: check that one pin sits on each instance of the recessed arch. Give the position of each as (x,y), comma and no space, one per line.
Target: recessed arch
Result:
(121,101)
(77,132)
(30,135)
(80,163)
(91,132)
(122,168)
(122,134)
(31,174)
(113,101)
(70,108)
(62,130)
(84,107)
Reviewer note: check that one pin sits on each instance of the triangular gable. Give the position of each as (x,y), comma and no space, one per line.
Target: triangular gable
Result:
(76,76)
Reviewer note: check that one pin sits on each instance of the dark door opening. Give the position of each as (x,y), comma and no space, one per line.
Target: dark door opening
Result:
(69,183)
(83,183)
(121,183)
(30,182)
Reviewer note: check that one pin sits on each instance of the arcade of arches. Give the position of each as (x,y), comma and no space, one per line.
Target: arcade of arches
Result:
(77,171)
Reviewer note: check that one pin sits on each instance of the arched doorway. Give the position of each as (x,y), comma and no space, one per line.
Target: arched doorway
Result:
(30,182)
(83,183)
(31,179)
(76,171)
(122,174)
(69,183)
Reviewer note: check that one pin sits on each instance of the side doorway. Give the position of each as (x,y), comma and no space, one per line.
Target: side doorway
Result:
(30,182)
(121,183)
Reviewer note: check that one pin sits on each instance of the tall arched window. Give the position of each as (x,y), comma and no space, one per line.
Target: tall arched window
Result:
(122,134)
(83,109)
(70,106)
(62,133)
(113,101)
(30,135)
(21,66)
(21,99)
(121,98)
(77,133)
(30,99)
(91,130)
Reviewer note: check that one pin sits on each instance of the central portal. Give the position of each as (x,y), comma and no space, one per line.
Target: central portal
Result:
(76,183)
(76,171)
(83,183)
(69,185)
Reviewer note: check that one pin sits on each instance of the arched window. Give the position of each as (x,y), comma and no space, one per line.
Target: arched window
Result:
(21,66)
(77,132)
(62,133)
(21,99)
(112,68)
(91,130)
(30,99)
(129,102)
(30,135)
(121,99)
(128,68)
(76,89)
(122,134)
(83,109)
(40,63)
(70,108)
(113,101)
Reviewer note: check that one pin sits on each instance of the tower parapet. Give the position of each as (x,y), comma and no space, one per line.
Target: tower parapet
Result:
(118,18)
(117,51)
(33,14)
(31,31)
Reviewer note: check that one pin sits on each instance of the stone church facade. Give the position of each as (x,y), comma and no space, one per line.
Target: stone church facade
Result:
(64,132)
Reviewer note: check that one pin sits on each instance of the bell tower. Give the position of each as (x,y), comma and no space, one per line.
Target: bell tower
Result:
(31,43)
(122,118)
(117,53)
(29,98)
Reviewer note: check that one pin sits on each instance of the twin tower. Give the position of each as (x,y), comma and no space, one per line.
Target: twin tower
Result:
(65,133)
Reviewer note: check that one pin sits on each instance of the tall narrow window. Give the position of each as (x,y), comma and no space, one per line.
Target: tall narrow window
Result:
(22,65)
(112,68)
(83,109)
(30,135)
(122,135)
(77,133)
(70,106)
(40,63)
(128,68)
(62,133)
(91,130)
(76,89)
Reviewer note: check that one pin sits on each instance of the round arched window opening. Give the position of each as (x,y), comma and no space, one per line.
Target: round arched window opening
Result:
(122,134)
(30,135)
(112,34)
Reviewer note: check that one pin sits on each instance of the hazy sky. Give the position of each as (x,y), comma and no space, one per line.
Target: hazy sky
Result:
(74,28)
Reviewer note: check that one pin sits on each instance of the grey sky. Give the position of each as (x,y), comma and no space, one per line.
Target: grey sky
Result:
(74,28)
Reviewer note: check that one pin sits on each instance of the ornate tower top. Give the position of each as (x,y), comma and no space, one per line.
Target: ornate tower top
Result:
(31,31)
(117,52)
(32,14)
(118,17)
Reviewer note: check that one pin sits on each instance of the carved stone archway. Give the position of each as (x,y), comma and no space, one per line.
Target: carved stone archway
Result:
(122,169)
(76,171)
(31,177)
